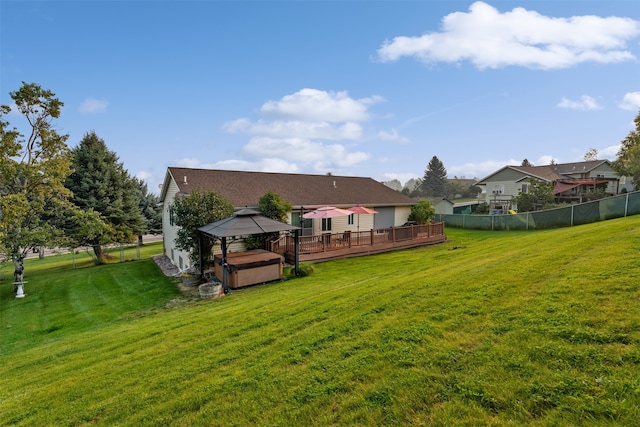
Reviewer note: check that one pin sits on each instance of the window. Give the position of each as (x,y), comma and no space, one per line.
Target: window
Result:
(525,188)
(326,224)
(350,219)
(295,218)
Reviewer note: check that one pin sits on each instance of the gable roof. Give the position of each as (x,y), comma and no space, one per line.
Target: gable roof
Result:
(245,188)
(550,173)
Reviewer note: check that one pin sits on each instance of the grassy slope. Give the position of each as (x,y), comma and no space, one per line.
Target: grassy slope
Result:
(502,328)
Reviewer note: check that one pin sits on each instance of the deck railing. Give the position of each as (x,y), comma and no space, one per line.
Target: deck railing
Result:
(285,245)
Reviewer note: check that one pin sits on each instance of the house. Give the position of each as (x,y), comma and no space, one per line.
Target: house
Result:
(304,192)
(572,182)
(442,205)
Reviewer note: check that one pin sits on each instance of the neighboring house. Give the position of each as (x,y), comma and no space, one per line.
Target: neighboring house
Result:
(442,205)
(304,192)
(572,181)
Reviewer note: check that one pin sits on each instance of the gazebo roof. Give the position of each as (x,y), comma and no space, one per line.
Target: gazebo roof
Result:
(245,222)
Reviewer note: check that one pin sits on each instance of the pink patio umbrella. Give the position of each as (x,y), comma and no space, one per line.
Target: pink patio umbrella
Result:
(358,209)
(326,212)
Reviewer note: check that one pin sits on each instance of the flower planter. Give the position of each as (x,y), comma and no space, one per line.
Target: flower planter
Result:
(210,290)
(191,280)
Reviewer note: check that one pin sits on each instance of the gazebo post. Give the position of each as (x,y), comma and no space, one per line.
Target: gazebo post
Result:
(200,253)
(296,246)
(225,273)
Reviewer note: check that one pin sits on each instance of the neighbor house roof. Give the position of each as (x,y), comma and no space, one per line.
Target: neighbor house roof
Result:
(550,173)
(245,188)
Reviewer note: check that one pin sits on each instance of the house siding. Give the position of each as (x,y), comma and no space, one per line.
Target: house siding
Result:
(169,232)
(401,215)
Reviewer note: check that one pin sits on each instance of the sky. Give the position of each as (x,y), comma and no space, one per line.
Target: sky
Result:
(355,88)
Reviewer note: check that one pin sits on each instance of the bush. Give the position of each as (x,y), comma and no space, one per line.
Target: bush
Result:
(482,209)
(305,270)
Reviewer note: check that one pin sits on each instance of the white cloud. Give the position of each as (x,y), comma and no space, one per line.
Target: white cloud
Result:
(393,136)
(630,101)
(318,105)
(93,106)
(609,153)
(479,170)
(321,157)
(490,39)
(546,159)
(586,103)
(144,176)
(306,130)
(261,165)
(303,129)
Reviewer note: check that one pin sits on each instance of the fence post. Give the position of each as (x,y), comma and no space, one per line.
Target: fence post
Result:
(626,205)
(571,215)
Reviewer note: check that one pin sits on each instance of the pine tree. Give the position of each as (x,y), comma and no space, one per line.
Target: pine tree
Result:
(148,204)
(434,182)
(100,183)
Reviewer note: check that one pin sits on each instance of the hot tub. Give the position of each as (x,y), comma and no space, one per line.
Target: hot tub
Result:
(250,267)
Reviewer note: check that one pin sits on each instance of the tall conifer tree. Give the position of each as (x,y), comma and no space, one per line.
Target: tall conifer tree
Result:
(434,183)
(100,183)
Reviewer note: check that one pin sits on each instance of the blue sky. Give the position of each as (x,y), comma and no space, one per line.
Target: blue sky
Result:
(366,88)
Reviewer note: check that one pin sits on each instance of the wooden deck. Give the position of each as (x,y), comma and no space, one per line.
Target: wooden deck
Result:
(352,244)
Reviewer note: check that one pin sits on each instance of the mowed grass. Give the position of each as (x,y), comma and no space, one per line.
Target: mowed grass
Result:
(492,328)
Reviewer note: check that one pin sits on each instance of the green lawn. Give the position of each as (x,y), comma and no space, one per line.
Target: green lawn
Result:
(493,328)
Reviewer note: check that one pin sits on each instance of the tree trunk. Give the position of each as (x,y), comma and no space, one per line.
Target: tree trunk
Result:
(99,252)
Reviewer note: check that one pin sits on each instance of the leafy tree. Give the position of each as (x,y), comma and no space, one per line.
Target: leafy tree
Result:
(101,183)
(460,187)
(483,209)
(86,226)
(434,182)
(394,183)
(422,212)
(273,206)
(192,212)
(33,198)
(628,161)
(590,155)
(540,194)
(526,163)
(412,184)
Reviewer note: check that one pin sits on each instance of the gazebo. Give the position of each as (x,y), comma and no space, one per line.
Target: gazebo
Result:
(245,222)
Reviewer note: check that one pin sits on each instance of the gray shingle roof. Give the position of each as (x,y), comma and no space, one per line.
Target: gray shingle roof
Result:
(245,188)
